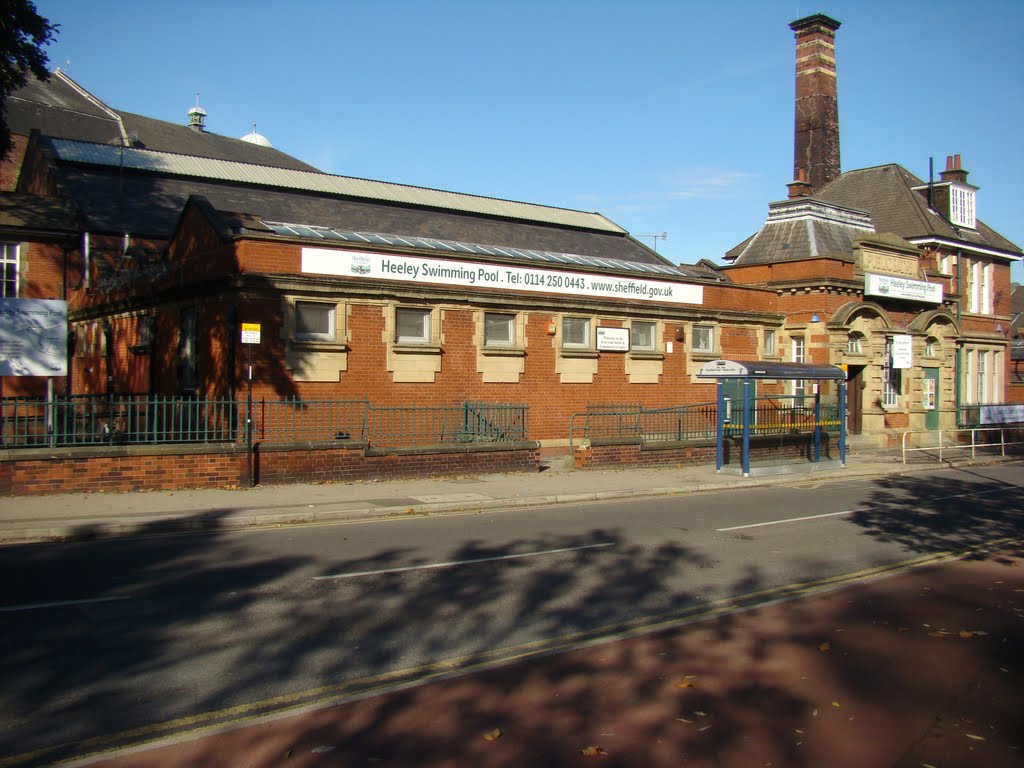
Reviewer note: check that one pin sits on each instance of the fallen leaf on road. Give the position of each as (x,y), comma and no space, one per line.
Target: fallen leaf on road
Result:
(824,647)
(493,735)
(964,633)
(685,682)
(976,738)
(410,511)
(836,704)
(592,751)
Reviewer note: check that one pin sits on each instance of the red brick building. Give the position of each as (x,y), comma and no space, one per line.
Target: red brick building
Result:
(171,239)
(893,277)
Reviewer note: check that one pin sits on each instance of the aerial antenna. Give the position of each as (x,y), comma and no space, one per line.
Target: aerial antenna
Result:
(657,237)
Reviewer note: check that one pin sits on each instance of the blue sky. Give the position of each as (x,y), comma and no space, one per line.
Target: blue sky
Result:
(667,116)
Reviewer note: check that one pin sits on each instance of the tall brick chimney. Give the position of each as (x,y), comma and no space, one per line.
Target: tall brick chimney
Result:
(816,138)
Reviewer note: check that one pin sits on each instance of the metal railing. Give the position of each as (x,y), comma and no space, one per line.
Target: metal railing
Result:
(771,415)
(294,419)
(785,414)
(116,419)
(935,443)
(91,420)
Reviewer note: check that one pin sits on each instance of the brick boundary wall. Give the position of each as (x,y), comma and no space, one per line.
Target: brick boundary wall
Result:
(635,452)
(167,468)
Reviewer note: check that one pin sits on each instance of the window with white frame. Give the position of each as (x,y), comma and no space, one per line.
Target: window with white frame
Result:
(855,344)
(930,346)
(703,338)
(961,206)
(8,270)
(641,336)
(769,342)
(892,379)
(412,325)
(981,382)
(799,353)
(499,329)
(315,321)
(576,332)
(979,278)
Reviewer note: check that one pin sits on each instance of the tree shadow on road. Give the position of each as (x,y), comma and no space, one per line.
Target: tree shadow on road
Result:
(202,624)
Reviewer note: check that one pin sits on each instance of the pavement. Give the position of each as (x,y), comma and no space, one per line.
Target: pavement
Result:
(85,516)
(916,665)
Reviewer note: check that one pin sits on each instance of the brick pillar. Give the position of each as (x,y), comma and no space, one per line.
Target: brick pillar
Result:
(816,139)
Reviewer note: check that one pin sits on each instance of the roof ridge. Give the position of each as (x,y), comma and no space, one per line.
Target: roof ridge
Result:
(289,178)
(92,99)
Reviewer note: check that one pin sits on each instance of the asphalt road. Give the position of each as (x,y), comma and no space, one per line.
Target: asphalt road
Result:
(131,637)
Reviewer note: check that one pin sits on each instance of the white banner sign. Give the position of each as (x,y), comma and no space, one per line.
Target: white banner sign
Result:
(1001,414)
(902,351)
(411,269)
(902,288)
(33,337)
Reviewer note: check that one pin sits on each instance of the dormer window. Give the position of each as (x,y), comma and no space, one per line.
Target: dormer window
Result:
(961,206)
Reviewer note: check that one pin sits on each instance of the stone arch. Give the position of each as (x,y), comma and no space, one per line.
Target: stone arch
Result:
(932,320)
(858,315)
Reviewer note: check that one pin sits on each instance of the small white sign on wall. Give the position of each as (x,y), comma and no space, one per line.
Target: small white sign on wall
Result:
(613,339)
(902,351)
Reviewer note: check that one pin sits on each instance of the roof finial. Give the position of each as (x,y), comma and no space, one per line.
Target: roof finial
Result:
(197,116)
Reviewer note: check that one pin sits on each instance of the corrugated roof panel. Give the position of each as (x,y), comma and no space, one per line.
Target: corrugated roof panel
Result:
(477,249)
(225,170)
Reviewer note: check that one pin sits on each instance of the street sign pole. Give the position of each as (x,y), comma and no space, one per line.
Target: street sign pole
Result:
(248,422)
(250,337)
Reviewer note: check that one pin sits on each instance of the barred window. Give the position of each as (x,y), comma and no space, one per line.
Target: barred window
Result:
(703,338)
(412,325)
(499,329)
(641,336)
(892,379)
(576,332)
(314,321)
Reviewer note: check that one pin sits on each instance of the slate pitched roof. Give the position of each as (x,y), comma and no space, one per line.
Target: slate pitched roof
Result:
(19,213)
(802,228)
(887,192)
(884,194)
(149,205)
(62,109)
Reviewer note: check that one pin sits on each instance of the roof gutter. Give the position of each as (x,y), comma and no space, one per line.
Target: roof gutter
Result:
(960,246)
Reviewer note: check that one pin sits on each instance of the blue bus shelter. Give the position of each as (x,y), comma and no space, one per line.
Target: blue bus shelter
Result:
(748,371)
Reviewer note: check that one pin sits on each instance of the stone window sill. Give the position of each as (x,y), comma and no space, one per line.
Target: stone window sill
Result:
(311,345)
(416,349)
(503,351)
(646,355)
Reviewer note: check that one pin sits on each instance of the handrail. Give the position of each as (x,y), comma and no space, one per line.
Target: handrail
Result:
(973,446)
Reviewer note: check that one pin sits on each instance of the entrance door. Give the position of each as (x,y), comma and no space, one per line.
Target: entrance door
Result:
(930,397)
(855,399)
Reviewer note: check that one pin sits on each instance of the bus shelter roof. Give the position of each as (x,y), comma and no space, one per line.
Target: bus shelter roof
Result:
(769,369)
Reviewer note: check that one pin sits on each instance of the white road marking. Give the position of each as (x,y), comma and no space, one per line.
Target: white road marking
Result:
(788,520)
(454,563)
(60,604)
(845,512)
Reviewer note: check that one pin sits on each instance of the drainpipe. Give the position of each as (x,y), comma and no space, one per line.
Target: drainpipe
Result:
(959,347)
(85,260)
